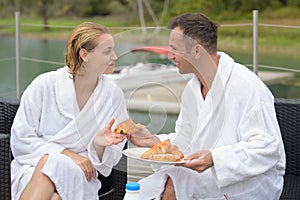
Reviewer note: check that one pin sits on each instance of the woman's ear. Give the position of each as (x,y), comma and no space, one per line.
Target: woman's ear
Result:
(83,53)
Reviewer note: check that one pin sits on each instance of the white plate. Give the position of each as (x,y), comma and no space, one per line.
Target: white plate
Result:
(136,153)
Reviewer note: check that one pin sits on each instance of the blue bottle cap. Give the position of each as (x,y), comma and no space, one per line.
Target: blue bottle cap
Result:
(132,186)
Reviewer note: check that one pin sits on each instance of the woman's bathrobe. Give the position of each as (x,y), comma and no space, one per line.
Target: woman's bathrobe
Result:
(237,122)
(49,121)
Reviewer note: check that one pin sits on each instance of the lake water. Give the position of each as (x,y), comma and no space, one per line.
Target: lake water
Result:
(54,50)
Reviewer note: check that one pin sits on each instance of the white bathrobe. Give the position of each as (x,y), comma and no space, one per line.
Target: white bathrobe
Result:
(237,122)
(49,121)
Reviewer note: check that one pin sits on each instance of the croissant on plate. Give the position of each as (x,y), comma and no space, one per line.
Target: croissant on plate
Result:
(163,151)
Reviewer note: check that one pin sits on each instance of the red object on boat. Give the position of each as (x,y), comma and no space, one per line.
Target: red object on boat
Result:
(155,49)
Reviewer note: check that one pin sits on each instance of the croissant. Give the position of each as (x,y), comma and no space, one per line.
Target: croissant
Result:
(126,127)
(155,149)
(163,151)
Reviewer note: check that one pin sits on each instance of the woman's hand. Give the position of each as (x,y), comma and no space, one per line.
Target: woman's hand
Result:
(199,161)
(143,137)
(83,162)
(106,137)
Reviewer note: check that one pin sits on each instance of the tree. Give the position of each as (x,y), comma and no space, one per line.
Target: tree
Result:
(44,8)
(97,7)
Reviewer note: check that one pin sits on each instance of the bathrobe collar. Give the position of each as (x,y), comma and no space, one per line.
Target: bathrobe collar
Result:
(66,95)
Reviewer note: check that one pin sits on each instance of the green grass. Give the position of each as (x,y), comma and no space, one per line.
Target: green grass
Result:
(7,26)
(272,41)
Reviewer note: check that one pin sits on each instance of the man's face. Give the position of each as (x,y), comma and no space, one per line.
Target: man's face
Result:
(178,52)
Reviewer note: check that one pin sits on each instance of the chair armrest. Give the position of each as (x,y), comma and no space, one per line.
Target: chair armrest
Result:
(287,112)
(5,159)
(115,183)
(8,109)
(291,188)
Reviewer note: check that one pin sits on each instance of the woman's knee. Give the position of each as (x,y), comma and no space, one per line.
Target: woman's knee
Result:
(43,159)
(55,196)
(41,163)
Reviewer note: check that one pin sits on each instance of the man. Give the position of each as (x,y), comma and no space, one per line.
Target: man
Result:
(227,125)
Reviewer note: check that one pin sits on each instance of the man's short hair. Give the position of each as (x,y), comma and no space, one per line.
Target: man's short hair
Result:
(199,28)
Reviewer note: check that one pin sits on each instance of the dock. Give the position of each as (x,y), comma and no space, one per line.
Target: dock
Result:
(168,95)
(274,77)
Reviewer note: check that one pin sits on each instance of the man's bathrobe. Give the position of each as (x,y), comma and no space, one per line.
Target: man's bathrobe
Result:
(237,122)
(49,121)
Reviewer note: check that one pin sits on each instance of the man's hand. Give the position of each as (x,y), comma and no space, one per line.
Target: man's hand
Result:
(83,162)
(199,161)
(143,137)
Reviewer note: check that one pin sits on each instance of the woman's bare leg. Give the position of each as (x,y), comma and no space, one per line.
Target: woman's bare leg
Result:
(39,186)
(169,192)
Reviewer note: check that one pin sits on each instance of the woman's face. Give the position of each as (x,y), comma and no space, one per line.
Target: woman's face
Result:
(101,60)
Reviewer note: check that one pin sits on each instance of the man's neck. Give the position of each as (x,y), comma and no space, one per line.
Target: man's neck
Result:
(208,73)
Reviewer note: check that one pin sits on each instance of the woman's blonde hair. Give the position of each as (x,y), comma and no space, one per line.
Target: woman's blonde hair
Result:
(85,36)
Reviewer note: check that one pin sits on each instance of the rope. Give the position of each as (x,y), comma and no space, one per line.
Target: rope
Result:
(278,26)
(259,24)
(62,26)
(6,59)
(235,25)
(274,67)
(42,61)
(41,25)
(160,27)
(61,63)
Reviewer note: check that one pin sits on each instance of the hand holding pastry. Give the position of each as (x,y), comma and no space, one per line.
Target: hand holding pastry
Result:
(126,127)
(106,137)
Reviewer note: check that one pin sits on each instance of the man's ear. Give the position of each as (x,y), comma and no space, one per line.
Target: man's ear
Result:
(83,53)
(198,50)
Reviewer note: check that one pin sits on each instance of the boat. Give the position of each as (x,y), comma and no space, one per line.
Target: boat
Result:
(142,74)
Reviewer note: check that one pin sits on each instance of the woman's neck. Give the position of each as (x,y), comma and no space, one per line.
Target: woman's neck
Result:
(84,88)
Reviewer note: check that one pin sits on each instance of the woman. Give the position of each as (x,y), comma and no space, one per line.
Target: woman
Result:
(61,135)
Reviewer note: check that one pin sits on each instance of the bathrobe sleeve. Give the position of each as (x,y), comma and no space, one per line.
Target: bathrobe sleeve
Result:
(27,145)
(257,150)
(113,153)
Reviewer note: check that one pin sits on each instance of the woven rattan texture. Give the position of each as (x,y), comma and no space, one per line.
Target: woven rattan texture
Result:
(5,158)
(291,189)
(288,112)
(8,109)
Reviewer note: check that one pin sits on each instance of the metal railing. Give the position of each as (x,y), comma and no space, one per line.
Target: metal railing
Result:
(255,24)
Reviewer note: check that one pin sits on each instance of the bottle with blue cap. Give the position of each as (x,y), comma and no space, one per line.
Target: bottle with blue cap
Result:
(132,191)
